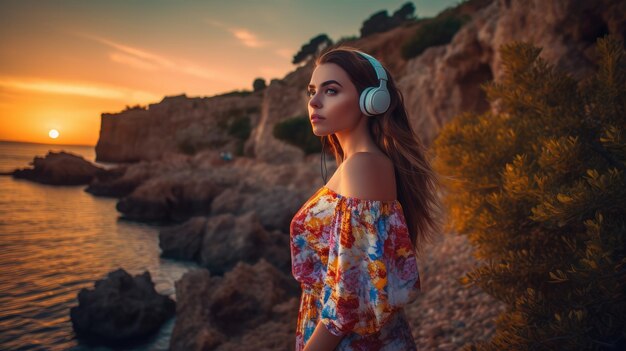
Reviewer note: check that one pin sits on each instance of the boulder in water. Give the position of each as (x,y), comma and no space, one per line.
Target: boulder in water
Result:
(120,310)
(59,168)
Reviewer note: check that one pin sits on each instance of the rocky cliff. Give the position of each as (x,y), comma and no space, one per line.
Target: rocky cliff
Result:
(437,85)
(444,80)
(176,124)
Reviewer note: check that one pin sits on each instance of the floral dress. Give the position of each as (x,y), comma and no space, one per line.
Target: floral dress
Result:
(357,268)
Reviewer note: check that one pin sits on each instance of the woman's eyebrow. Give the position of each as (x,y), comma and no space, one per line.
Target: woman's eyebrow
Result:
(326,83)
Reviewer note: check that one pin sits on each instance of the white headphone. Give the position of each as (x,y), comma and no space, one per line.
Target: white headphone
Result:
(375,100)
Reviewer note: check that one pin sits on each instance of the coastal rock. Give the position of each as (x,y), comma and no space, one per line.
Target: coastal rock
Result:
(274,205)
(112,183)
(183,241)
(194,329)
(177,187)
(120,309)
(123,180)
(172,197)
(219,242)
(229,239)
(248,295)
(274,191)
(271,335)
(59,168)
(277,251)
(203,185)
(220,313)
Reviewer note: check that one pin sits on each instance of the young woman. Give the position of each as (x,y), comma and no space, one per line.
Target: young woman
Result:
(354,242)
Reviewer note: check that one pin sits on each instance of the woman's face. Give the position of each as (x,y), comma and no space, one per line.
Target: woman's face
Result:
(333,97)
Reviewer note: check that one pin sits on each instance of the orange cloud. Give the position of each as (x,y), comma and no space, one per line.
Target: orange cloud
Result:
(132,61)
(143,59)
(245,36)
(79,89)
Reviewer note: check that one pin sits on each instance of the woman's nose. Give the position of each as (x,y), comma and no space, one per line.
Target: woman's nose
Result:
(315,102)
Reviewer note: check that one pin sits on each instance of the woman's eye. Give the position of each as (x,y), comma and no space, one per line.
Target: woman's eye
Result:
(312,92)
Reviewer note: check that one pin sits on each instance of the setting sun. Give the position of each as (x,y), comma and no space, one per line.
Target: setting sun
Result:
(53,133)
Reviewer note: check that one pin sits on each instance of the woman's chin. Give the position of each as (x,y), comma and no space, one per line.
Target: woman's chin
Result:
(318,132)
(321,133)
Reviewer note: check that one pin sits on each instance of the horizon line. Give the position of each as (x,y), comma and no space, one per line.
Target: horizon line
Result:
(40,143)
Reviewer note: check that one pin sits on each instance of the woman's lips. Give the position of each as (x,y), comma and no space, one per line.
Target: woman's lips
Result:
(316,118)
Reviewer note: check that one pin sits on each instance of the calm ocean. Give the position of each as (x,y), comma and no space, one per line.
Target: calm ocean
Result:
(56,240)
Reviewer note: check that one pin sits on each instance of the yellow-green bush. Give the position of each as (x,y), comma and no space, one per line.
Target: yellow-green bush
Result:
(539,189)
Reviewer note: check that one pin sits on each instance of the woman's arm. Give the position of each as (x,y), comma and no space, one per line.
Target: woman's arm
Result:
(322,339)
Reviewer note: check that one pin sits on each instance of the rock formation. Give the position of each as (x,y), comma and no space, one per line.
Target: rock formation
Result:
(121,309)
(249,308)
(445,80)
(59,168)
(180,187)
(183,241)
(171,125)
(219,242)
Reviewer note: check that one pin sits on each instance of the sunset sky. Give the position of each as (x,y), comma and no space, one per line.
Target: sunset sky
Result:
(63,63)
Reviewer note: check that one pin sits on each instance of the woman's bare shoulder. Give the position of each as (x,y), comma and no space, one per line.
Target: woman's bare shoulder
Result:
(369,176)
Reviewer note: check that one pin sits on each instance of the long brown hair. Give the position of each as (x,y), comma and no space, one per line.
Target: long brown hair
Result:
(417,184)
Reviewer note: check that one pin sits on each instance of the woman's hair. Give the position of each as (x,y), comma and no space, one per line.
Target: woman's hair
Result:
(416,183)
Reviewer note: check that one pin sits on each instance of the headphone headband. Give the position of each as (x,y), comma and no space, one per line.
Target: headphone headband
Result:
(380,71)
(375,100)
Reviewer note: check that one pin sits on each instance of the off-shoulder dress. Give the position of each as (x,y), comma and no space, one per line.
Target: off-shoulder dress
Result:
(357,268)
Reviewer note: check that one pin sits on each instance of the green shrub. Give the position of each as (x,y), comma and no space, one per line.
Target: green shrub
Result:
(297,131)
(240,127)
(541,195)
(438,31)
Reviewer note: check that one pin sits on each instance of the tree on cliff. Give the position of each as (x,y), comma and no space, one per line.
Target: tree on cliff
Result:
(405,13)
(381,22)
(542,198)
(311,48)
(259,84)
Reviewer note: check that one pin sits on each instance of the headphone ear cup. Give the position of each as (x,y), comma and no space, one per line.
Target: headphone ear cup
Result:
(363,101)
(378,100)
(374,101)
